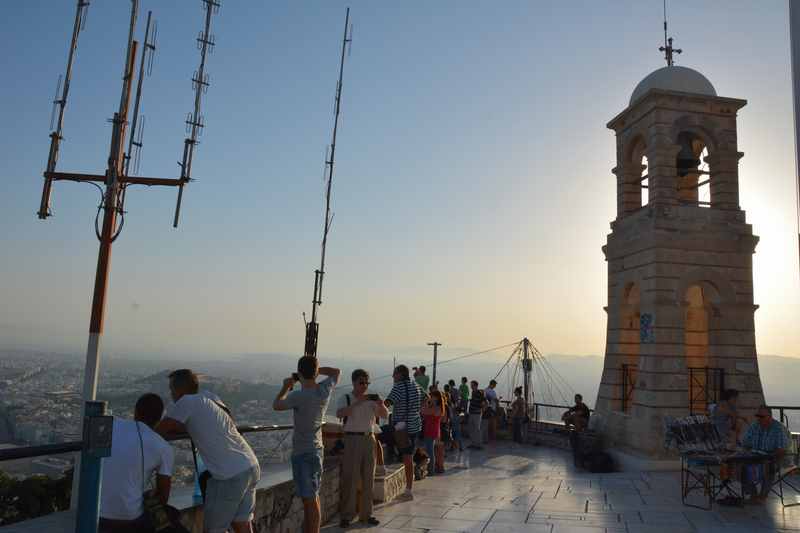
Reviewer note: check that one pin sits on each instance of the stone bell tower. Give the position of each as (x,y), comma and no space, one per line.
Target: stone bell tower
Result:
(680,278)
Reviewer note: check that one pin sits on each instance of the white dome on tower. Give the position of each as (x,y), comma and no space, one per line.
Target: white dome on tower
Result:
(681,79)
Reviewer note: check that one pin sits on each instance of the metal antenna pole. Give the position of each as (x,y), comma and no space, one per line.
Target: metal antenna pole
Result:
(667,48)
(435,345)
(133,144)
(794,29)
(61,103)
(312,328)
(526,369)
(194,120)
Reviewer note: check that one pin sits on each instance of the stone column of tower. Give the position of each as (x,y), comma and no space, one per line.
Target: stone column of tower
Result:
(680,278)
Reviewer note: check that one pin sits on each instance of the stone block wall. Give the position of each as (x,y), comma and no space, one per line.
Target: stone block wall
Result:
(278,508)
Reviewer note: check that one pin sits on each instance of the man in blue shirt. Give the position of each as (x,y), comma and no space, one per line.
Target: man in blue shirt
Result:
(768,436)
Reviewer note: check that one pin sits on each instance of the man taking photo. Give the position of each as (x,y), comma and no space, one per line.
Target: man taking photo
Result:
(358,411)
(309,405)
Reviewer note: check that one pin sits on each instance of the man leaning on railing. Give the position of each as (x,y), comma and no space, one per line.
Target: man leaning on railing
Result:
(230,494)
(309,405)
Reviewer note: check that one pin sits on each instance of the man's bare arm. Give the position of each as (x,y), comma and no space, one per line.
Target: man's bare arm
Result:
(279,404)
(169,426)
(330,372)
(163,486)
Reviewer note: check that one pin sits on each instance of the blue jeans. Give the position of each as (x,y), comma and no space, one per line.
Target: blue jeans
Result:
(307,474)
(455,424)
(430,444)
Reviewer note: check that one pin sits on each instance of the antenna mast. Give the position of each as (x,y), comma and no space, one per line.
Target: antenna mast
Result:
(312,328)
(60,102)
(667,48)
(194,120)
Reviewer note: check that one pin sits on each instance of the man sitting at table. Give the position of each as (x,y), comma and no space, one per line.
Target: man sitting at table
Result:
(768,436)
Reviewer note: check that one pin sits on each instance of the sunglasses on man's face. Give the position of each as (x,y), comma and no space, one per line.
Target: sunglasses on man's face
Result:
(364,383)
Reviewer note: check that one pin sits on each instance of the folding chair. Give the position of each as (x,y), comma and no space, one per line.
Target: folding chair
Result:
(787,472)
(699,444)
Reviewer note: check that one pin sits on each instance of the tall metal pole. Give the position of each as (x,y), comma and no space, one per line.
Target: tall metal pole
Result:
(794,30)
(116,159)
(526,369)
(312,327)
(435,359)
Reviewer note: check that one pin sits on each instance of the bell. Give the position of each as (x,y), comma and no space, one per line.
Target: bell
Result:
(686,161)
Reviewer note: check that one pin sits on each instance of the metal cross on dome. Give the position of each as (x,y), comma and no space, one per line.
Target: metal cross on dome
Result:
(668,48)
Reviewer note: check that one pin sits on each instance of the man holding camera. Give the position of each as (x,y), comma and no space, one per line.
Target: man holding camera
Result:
(358,411)
(309,405)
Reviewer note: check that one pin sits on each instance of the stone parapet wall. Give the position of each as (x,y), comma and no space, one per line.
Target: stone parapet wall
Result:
(278,508)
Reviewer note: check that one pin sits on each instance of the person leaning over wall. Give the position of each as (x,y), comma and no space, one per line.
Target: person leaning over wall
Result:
(230,495)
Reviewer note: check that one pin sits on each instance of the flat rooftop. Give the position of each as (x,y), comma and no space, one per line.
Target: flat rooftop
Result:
(510,488)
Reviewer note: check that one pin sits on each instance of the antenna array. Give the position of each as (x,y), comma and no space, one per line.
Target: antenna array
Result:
(194,119)
(312,327)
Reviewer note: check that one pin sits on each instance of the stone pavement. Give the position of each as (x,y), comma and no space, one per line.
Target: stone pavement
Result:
(525,489)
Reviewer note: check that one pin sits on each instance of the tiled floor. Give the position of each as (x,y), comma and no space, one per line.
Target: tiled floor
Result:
(525,489)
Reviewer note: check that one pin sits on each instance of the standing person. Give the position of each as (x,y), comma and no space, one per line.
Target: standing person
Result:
(432,415)
(464,391)
(309,405)
(454,397)
(136,450)
(405,401)
(492,410)
(518,414)
(453,417)
(358,411)
(422,379)
(476,406)
(230,497)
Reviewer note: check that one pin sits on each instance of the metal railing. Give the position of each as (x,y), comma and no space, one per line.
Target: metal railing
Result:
(27,452)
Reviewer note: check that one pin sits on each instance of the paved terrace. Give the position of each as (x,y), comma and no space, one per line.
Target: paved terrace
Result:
(526,489)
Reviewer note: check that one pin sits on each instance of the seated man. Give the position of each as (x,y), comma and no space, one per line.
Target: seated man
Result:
(726,419)
(768,436)
(578,415)
(136,449)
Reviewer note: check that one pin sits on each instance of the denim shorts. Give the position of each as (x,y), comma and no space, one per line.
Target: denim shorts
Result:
(230,500)
(307,473)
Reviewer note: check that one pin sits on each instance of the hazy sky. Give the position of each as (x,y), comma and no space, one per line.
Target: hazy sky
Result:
(473,189)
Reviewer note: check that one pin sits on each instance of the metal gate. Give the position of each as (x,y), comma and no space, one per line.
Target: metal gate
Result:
(628,385)
(705,386)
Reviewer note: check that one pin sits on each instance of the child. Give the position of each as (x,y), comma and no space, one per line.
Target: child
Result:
(432,415)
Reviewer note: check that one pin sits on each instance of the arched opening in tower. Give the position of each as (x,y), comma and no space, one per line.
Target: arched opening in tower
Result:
(693,177)
(630,342)
(645,182)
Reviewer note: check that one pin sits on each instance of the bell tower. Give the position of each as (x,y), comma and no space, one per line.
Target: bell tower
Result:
(680,278)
